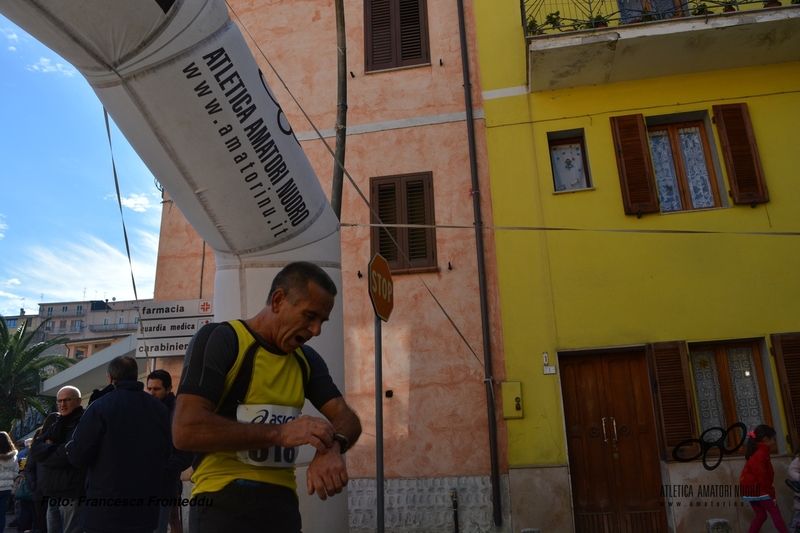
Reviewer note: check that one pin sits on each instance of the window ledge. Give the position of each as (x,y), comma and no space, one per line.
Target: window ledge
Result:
(704,210)
(421,270)
(392,69)
(573,191)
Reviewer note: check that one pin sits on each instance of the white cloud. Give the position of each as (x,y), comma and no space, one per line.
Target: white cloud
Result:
(11,282)
(137,202)
(45,65)
(3,227)
(10,34)
(85,269)
(12,48)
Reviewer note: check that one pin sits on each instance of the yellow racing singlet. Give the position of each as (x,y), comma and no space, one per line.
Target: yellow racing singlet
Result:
(274,394)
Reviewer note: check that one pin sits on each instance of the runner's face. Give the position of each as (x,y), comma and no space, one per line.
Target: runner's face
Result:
(301,320)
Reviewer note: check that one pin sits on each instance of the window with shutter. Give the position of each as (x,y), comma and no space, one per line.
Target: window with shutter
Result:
(666,163)
(787,360)
(741,154)
(715,384)
(395,34)
(402,201)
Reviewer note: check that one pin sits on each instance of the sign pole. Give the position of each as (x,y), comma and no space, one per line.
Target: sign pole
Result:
(381,293)
(379,423)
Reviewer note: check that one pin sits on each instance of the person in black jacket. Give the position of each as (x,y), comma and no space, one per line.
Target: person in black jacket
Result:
(123,439)
(33,476)
(159,386)
(61,482)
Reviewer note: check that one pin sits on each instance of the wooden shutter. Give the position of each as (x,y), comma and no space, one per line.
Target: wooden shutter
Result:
(419,210)
(406,199)
(413,33)
(385,201)
(378,38)
(395,34)
(672,392)
(787,359)
(636,176)
(741,154)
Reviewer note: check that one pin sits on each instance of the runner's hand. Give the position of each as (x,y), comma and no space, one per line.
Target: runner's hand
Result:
(326,475)
(312,430)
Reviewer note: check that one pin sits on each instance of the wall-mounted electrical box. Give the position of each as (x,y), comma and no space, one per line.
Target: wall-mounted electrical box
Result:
(512,399)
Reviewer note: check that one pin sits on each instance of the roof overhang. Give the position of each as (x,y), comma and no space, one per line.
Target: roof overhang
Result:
(664,48)
(90,373)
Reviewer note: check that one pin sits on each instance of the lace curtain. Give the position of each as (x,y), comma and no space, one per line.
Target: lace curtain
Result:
(568,171)
(744,382)
(693,158)
(709,397)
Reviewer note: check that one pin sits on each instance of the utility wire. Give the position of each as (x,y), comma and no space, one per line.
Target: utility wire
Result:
(351,180)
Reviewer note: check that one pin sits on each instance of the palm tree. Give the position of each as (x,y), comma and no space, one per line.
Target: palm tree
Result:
(22,370)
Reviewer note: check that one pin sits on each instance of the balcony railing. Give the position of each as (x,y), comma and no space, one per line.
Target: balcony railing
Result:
(127,326)
(43,314)
(66,331)
(552,16)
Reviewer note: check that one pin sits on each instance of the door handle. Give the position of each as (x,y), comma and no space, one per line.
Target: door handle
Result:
(614,420)
(605,437)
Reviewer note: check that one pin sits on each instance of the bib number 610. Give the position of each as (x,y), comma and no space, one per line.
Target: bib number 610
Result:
(279,455)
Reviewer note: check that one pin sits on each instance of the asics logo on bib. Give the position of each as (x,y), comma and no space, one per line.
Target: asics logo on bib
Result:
(264,418)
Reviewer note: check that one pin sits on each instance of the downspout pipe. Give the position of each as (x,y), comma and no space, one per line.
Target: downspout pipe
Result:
(485,329)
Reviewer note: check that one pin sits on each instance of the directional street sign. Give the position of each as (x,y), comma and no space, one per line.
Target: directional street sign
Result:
(381,289)
(165,328)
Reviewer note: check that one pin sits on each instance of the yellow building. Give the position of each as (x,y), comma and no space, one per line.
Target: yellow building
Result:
(645,197)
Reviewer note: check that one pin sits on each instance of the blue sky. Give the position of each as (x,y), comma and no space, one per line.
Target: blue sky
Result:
(61,233)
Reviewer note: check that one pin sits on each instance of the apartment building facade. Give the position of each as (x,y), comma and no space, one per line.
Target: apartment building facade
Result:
(644,191)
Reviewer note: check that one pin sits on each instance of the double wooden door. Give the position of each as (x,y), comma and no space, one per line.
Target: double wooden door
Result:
(612,444)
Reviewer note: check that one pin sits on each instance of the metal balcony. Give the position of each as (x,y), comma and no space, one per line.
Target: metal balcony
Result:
(574,43)
(127,326)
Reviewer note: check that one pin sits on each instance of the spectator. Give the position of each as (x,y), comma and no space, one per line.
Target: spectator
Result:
(123,439)
(159,385)
(9,468)
(33,475)
(61,482)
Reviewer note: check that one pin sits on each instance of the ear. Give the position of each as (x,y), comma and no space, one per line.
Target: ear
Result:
(278,297)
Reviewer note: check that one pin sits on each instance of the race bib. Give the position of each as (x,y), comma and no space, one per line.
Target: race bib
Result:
(274,456)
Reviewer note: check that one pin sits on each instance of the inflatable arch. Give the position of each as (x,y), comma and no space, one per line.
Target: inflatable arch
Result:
(183,87)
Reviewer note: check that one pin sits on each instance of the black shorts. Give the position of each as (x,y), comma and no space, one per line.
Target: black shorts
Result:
(246,507)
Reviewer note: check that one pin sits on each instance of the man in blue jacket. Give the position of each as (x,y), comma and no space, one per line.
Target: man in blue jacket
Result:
(123,440)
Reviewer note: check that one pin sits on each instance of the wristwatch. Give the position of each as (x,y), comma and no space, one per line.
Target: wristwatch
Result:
(343,441)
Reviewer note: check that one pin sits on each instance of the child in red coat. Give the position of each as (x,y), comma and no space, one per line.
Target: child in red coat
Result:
(756,479)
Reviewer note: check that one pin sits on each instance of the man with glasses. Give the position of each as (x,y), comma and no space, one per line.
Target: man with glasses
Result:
(60,481)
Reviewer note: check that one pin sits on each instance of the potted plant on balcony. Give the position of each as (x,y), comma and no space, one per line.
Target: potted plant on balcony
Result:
(533,27)
(701,9)
(601,21)
(553,19)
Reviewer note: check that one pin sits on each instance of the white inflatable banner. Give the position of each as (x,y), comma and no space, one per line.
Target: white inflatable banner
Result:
(183,87)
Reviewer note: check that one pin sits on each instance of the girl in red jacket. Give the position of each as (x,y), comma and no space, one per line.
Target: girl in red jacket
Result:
(756,479)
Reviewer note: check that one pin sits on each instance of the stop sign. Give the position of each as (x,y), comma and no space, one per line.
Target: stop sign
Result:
(381,290)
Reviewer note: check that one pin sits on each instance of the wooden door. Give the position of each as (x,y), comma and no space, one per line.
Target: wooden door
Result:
(612,444)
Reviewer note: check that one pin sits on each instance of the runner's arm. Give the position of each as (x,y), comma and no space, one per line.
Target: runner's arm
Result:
(197,428)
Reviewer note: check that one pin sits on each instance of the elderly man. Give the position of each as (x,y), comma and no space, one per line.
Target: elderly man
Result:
(243,385)
(61,482)
(123,439)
